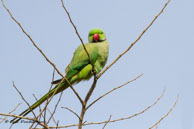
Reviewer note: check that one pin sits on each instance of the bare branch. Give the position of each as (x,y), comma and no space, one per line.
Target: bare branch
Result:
(71,112)
(10,112)
(107,122)
(57,124)
(53,77)
(35,45)
(113,90)
(55,107)
(83,111)
(115,120)
(138,38)
(47,102)
(52,117)
(75,28)
(24,99)
(173,106)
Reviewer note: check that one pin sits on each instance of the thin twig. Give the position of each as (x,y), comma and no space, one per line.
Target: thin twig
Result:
(35,45)
(57,124)
(55,107)
(11,112)
(107,122)
(52,117)
(71,112)
(75,28)
(173,106)
(23,98)
(38,106)
(30,38)
(39,110)
(115,120)
(112,91)
(53,77)
(138,38)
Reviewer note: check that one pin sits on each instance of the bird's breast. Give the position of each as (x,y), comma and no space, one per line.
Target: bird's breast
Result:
(103,50)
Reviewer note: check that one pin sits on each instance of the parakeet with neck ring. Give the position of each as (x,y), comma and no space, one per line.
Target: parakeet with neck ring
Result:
(79,68)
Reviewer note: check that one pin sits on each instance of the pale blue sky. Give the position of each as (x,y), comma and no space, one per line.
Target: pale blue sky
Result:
(164,54)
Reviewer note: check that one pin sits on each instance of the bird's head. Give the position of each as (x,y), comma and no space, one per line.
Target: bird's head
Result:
(96,35)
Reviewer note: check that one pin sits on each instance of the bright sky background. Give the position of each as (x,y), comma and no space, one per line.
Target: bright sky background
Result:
(164,54)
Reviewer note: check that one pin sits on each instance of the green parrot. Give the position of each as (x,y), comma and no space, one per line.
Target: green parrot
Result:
(79,68)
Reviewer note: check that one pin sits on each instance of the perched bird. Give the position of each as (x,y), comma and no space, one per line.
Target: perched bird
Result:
(80,67)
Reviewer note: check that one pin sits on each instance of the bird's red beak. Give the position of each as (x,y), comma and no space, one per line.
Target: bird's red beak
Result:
(96,37)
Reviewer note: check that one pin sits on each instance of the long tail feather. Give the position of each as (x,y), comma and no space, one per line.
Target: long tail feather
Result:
(59,87)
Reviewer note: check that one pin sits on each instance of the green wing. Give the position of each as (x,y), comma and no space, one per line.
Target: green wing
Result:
(80,64)
(80,59)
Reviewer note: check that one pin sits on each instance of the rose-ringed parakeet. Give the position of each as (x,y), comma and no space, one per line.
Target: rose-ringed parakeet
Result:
(79,68)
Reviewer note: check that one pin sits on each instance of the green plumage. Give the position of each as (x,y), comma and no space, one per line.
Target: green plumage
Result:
(79,68)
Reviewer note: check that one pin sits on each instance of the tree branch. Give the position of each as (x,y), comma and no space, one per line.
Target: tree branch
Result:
(75,28)
(138,38)
(112,91)
(173,106)
(24,99)
(107,122)
(55,107)
(115,120)
(71,112)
